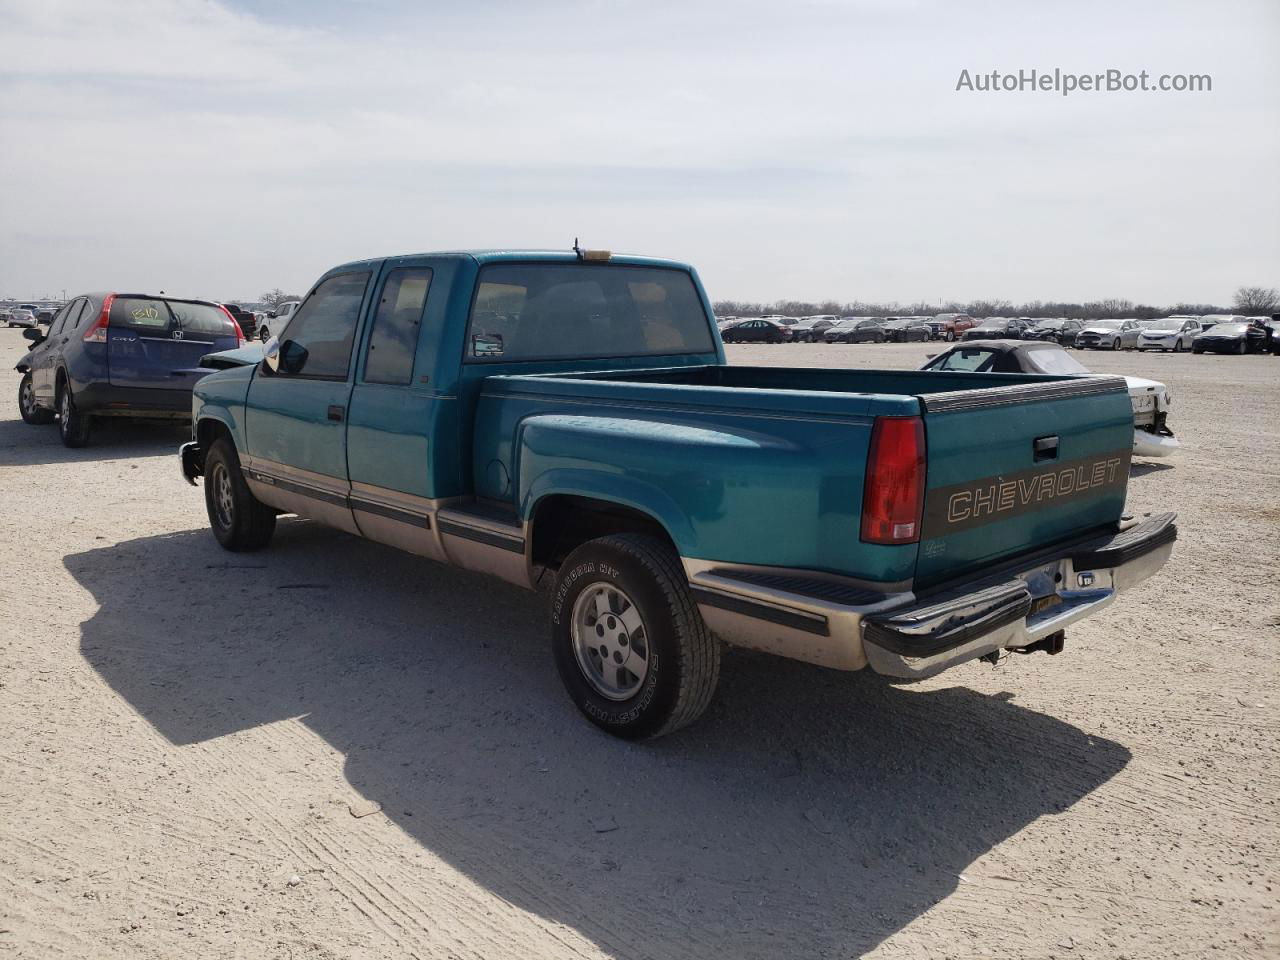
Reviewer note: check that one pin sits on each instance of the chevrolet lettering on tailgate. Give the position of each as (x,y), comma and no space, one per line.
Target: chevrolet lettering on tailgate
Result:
(968,505)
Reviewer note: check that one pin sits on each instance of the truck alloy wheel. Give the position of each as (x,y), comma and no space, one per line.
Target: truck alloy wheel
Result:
(628,640)
(609,641)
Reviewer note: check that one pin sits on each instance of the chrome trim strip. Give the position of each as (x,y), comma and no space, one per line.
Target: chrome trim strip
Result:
(955,401)
(503,541)
(390,513)
(796,619)
(290,486)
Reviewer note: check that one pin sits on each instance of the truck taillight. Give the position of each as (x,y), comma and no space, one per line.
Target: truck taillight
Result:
(98,332)
(893,491)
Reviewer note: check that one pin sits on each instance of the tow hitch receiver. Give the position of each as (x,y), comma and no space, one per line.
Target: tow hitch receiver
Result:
(1052,644)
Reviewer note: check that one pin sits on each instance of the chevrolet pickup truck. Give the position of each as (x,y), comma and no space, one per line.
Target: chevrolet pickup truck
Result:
(568,420)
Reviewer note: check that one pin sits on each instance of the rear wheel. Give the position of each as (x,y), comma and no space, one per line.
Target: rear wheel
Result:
(73,426)
(239,520)
(27,404)
(628,641)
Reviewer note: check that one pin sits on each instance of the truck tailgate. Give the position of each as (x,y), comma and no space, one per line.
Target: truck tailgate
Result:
(1014,468)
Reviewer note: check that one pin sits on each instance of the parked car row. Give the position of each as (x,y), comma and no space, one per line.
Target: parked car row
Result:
(1217,333)
(826,329)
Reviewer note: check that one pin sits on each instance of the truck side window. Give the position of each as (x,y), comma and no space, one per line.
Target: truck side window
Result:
(393,342)
(317,343)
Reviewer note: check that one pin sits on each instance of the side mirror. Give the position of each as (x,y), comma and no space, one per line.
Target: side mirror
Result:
(271,356)
(271,315)
(34,334)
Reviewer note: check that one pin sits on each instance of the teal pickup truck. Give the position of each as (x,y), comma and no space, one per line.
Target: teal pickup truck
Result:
(568,420)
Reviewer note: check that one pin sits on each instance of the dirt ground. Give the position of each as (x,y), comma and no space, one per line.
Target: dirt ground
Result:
(331,749)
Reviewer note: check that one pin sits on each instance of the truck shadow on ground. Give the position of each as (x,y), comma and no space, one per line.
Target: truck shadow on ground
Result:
(809,813)
(25,445)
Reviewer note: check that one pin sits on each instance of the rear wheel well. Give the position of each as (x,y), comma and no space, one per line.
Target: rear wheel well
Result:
(563,522)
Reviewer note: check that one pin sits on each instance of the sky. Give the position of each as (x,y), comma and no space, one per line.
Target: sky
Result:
(811,150)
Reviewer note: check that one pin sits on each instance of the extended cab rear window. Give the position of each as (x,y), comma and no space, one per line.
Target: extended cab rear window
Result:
(552,311)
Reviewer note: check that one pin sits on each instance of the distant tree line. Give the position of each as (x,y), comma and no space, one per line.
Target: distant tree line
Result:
(1249,301)
(273,298)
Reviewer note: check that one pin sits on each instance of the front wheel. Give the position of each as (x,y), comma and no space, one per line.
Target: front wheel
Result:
(628,640)
(239,520)
(1177,346)
(27,404)
(950,337)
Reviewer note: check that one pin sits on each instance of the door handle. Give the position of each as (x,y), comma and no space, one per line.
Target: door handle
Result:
(336,412)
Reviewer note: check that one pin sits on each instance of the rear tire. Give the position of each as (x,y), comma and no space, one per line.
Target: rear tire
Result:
(73,426)
(631,647)
(27,404)
(240,521)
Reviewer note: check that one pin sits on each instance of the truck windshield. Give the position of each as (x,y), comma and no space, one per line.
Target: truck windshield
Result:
(551,311)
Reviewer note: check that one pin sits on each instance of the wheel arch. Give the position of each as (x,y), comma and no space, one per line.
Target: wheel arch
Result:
(209,430)
(561,521)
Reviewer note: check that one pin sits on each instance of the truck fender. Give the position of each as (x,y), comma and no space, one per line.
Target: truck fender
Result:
(610,488)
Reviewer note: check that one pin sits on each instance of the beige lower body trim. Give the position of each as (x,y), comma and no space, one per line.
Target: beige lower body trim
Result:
(834,635)
(293,490)
(401,520)
(486,546)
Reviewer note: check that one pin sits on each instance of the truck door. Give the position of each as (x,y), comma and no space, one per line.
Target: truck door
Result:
(393,406)
(296,416)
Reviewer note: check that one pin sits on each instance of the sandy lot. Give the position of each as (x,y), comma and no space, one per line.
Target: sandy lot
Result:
(192,742)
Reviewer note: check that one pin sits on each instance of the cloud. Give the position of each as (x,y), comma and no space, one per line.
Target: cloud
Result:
(812,150)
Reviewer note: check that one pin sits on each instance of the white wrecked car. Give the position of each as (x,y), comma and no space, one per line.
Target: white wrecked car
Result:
(1150,398)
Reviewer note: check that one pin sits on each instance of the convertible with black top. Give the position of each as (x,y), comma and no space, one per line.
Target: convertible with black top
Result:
(568,421)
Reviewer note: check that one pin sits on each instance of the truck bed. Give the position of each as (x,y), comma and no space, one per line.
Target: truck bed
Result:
(768,461)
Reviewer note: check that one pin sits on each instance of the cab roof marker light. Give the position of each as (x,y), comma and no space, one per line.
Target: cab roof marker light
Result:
(596,256)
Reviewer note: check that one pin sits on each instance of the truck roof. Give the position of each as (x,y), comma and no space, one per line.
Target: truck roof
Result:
(514,255)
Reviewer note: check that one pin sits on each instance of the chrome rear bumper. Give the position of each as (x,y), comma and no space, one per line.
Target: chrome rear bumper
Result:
(826,621)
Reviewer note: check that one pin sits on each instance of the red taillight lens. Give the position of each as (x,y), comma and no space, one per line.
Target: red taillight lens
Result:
(98,332)
(893,491)
(235,325)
